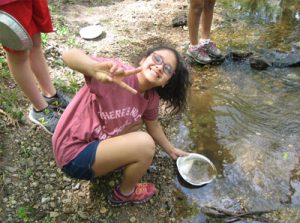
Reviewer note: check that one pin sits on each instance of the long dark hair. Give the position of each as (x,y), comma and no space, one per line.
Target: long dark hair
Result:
(174,93)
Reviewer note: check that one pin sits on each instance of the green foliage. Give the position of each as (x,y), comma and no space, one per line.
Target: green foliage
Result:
(28,172)
(52,9)
(62,30)
(69,1)
(22,213)
(2,60)
(199,69)
(44,38)
(8,102)
(71,87)
(74,86)
(5,73)
(72,41)
(9,96)
(46,220)
(124,42)
(26,151)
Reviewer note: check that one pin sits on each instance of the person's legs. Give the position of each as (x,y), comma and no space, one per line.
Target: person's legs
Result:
(206,18)
(194,51)
(194,15)
(41,114)
(134,151)
(206,22)
(40,67)
(30,66)
(19,66)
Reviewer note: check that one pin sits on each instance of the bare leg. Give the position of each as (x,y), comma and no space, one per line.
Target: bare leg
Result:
(19,66)
(134,150)
(206,18)
(40,67)
(195,11)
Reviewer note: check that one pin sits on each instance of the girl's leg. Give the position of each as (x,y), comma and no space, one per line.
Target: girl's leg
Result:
(134,150)
(19,66)
(195,11)
(40,67)
(206,18)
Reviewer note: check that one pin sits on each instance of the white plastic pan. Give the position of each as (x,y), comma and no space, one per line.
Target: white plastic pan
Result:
(196,169)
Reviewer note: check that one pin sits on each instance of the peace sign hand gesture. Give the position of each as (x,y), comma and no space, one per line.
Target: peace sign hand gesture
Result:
(102,71)
(108,72)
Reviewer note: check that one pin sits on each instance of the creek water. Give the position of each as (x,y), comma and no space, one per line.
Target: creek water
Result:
(247,122)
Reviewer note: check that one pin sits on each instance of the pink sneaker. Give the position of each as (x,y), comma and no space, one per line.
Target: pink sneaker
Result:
(142,193)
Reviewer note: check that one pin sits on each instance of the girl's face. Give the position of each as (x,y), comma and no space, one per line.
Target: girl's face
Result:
(159,67)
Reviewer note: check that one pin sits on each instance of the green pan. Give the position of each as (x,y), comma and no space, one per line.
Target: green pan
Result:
(12,33)
(196,169)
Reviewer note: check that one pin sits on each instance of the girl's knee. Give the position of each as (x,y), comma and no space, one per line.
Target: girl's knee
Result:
(209,5)
(37,40)
(147,143)
(197,6)
(19,57)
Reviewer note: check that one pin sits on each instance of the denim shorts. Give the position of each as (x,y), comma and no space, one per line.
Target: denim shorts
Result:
(81,166)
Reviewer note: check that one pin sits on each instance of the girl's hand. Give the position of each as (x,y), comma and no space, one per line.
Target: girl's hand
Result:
(111,73)
(175,153)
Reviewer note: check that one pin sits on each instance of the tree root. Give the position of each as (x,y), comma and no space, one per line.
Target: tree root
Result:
(233,216)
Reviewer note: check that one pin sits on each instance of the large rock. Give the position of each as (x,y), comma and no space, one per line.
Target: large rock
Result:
(180,20)
(268,57)
(259,62)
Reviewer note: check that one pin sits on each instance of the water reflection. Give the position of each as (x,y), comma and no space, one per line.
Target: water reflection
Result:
(247,122)
(273,23)
(286,11)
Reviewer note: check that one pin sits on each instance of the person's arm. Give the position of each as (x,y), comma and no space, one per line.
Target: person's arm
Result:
(102,71)
(155,130)
(77,60)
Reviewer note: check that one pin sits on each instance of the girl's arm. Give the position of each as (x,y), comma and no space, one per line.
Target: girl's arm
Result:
(77,60)
(102,71)
(155,130)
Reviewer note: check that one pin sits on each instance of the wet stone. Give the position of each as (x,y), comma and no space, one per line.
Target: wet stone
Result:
(52,204)
(83,215)
(103,210)
(259,63)
(132,219)
(68,210)
(11,169)
(111,183)
(76,186)
(54,214)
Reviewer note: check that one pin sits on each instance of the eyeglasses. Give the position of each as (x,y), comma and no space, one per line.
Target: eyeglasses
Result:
(158,60)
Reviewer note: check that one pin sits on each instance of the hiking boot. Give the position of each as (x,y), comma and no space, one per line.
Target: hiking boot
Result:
(46,118)
(142,193)
(199,55)
(212,50)
(58,101)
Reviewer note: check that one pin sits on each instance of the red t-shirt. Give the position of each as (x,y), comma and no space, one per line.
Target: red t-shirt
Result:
(100,111)
(5,2)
